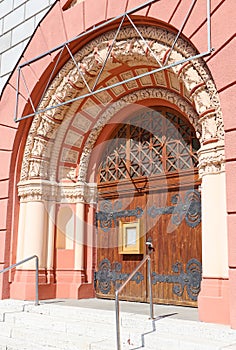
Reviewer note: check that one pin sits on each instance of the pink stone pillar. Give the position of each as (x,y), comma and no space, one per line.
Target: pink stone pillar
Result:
(213,300)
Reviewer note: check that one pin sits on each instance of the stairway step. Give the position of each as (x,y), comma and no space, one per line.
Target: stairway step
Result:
(51,326)
(8,306)
(17,344)
(73,313)
(137,322)
(52,323)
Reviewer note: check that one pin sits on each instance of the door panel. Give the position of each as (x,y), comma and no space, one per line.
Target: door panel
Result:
(175,230)
(113,267)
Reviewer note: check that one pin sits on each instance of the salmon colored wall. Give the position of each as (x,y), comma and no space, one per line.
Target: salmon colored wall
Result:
(61,25)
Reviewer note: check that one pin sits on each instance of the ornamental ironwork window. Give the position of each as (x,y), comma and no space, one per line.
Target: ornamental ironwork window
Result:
(150,143)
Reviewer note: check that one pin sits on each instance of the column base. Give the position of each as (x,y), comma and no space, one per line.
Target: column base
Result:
(213,301)
(23,285)
(86,291)
(232,279)
(68,283)
(4,284)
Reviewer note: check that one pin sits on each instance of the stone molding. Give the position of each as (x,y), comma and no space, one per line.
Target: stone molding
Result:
(79,192)
(126,101)
(211,159)
(43,190)
(132,52)
(37,190)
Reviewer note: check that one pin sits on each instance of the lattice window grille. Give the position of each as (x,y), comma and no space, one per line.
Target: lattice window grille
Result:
(151,143)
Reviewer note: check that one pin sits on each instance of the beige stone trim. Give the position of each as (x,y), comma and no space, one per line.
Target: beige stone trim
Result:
(79,192)
(132,98)
(43,190)
(128,50)
(211,159)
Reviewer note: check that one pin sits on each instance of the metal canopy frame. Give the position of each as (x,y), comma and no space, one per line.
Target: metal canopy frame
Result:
(94,90)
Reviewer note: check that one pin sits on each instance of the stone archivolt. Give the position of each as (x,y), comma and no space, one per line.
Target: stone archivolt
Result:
(47,132)
(123,102)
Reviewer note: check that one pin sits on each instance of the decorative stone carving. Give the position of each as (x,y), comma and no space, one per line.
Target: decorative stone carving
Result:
(202,100)
(132,52)
(37,190)
(127,100)
(46,127)
(38,168)
(43,190)
(209,127)
(38,147)
(79,192)
(211,160)
(190,76)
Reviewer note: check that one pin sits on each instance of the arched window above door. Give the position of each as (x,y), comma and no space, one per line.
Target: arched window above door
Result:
(151,142)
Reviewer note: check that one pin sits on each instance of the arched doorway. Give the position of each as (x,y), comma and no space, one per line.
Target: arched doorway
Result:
(58,166)
(148,190)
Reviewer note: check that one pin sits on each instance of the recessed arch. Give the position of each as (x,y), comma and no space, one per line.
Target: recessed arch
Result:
(192,82)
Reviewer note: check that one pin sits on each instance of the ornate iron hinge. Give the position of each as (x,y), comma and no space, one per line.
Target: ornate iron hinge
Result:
(191,279)
(111,213)
(189,209)
(106,276)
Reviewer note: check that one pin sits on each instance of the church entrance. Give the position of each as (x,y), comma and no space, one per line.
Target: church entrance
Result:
(148,191)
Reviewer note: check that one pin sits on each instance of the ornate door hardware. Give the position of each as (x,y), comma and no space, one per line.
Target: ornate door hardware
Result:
(191,279)
(189,209)
(111,212)
(105,276)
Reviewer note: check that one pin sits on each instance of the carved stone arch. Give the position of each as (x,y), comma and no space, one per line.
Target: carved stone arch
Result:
(130,51)
(135,97)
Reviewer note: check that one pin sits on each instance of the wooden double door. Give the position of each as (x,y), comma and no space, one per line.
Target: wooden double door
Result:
(163,206)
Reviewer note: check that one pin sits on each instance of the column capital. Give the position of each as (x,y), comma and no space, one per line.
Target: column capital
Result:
(79,192)
(37,190)
(211,158)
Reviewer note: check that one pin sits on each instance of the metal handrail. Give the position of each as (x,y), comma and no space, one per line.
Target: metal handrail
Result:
(148,259)
(36,274)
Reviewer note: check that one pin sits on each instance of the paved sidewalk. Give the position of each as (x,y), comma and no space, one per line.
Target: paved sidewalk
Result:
(177,312)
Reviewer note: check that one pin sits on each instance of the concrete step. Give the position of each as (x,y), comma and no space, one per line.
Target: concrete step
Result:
(73,313)
(8,306)
(25,326)
(17,344)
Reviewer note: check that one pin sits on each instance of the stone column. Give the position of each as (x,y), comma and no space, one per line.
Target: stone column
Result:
(21,229)
(51,210)
(34,231)
(35,234)
(213,299)
(79,237)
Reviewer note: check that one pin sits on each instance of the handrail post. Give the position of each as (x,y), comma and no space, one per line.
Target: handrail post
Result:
(150,288)
(117,320)
(36,280)
(146,258)
(36,273)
